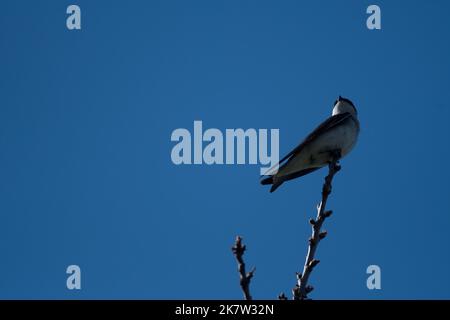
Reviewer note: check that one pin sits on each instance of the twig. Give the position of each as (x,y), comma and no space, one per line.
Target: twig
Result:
(302,289)
(282,296)
(244,278)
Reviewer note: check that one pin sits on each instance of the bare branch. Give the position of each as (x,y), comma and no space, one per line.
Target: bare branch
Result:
(302,289)
(244,278)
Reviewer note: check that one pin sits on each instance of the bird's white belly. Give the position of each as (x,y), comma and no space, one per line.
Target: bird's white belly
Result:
(317,153)
(340,138)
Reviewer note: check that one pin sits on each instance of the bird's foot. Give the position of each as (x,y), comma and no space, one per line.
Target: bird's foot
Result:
(335,155)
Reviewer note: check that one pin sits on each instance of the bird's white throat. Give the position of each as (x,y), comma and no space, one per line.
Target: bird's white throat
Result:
(343,107)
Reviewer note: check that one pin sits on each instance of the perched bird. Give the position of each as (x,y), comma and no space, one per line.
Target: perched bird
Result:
(335,137)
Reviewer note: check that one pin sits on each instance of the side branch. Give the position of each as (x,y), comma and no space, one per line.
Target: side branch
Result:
(244,278)
(302,289)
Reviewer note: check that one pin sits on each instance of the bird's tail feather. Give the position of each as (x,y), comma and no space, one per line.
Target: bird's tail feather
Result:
(274,182)
(276,185)
(268,180)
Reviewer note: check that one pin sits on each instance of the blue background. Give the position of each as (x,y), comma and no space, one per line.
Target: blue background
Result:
(86,176)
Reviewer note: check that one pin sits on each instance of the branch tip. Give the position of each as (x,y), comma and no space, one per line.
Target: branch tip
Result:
(244,278)
(327,213)
(323,234)
(309,288)
(282,296)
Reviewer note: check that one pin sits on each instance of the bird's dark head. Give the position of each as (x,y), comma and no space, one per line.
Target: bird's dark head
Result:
(342,105)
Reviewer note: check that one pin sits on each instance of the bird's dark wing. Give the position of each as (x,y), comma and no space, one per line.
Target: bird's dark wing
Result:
(323,127)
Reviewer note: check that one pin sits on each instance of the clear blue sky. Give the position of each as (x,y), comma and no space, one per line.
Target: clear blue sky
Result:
(86,176)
